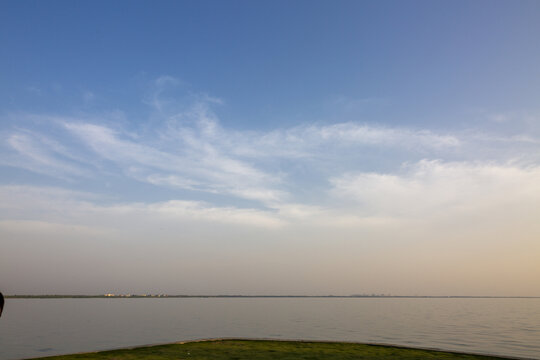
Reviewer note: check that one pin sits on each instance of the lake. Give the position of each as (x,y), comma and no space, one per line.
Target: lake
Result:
(43,327)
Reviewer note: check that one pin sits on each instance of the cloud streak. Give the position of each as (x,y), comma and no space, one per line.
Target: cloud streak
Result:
(39,153)
(190,150)
(57,205)
(434,188)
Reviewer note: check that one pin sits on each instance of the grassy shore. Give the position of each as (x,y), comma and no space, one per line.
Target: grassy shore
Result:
(265,350)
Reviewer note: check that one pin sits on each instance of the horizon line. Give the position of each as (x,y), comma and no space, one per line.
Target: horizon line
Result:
(20,296)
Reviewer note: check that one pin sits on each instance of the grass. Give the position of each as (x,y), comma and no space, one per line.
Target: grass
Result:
(266,349)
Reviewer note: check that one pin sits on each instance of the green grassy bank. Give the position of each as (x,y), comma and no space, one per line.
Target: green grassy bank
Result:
(263,350)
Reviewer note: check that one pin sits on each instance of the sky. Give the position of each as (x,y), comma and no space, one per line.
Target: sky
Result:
(270,147)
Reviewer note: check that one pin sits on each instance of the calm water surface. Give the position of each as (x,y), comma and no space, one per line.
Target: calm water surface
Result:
(42,327)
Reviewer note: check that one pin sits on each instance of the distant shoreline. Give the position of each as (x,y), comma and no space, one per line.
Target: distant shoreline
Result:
(162,296)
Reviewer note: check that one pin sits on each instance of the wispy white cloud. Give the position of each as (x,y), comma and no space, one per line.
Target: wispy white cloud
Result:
(194,165)
(195,152)
(191,150)
(316,140)
(155,98)
(38,153)
(436,188)
(159,100)
(58,205)
(187,147)
(354,134)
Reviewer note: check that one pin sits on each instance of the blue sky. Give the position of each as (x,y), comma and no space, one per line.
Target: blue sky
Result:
(270,147)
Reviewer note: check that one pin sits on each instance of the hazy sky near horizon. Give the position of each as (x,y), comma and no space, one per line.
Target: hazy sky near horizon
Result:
(270,147)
